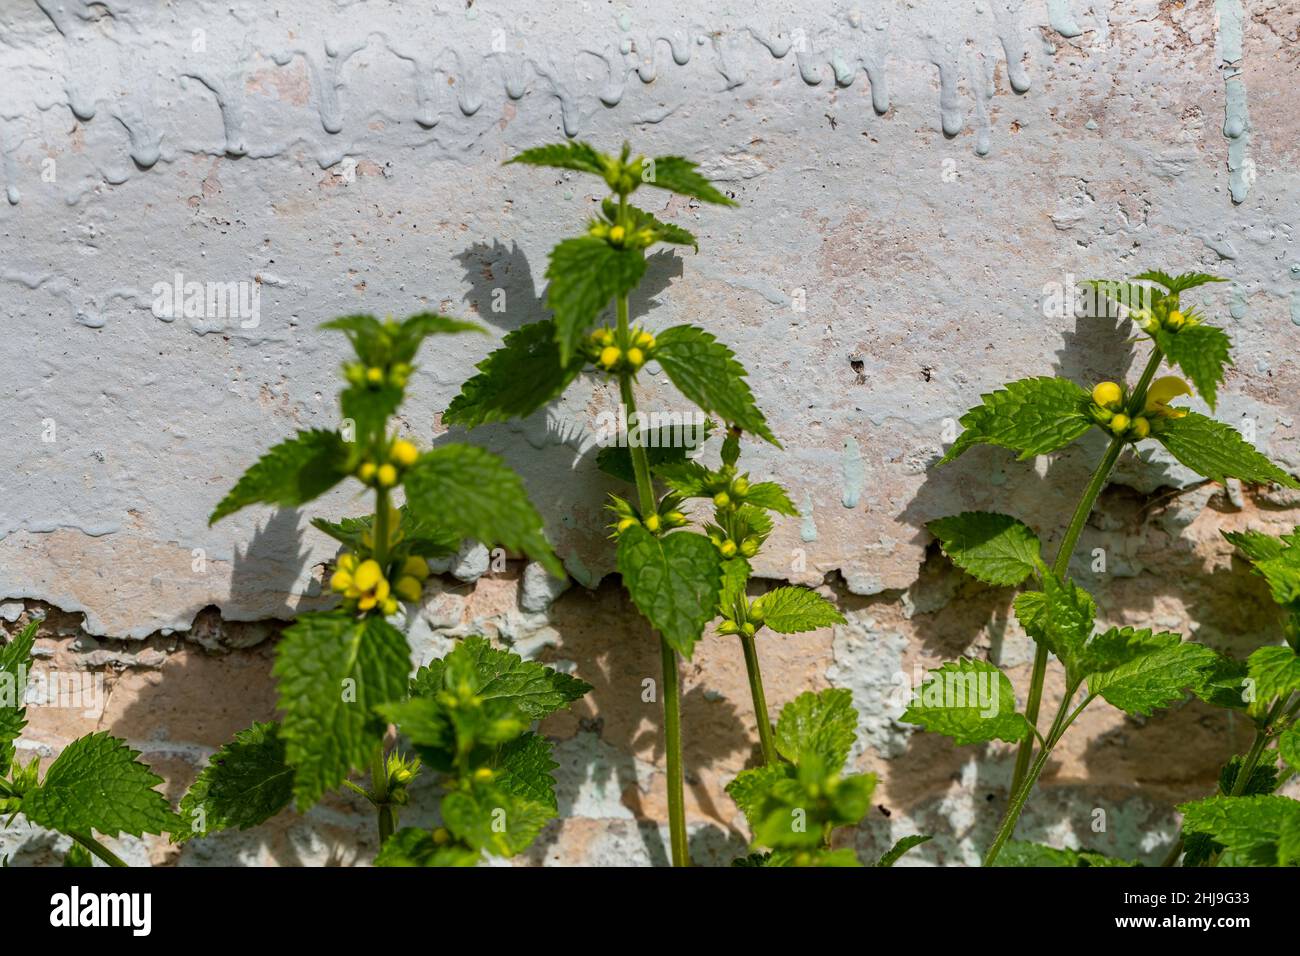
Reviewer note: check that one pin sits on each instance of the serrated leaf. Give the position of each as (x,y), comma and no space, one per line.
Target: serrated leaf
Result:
(1216,451)
(995,548)
(665,447)
(418,535)
(1275,671)
(1021,853)
(818,725)
(521,376)
(369,407)
(1263,778)
(681,176)
(673,580)
(413,847)
(15,666)
(1288,746)
(689,479)
(534,689)
(470,491)
(970,701)
(1178,283)
(662,231)
(794,610)
(1152,679)
(707,373)
(524,768)
(1131,295)
(245,783)
(1250,827)
(1283,576)
(751,788)
(796,812)
(290,474)
(1201,351)
(97,784)
(574,155)
(1255,545)
(1224,683)
(895,853)
(585,275)
(1065,623)
(491,819)
(1032,416)
(333,671)
(772,497)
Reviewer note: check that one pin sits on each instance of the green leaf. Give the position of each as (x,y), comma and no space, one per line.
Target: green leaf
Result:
(797,811)
(772,497)
(1216,451)
(662,231)
(1131,295)
(333,671)
(491,819)
(665,447)
(416,328)
(1283,576)
(1153,678)
(1179,283)
(681,176)
(1062,620)
(412,847)
(1275,671)
(1249,827)
(521,376)
(970,701)
(585,275)
(1255,545)
(1224,683)
(369,407)
(523,768)
(245,783)
(896,852)
(470,491)
(823,725)
(995,548)
(97,784)
(15,666)
(1201,351)
(707,373)
(78,857)
(290,474)
(673,580)
(1021,853)
(1288,746)
(572,155)
(419,536)
(793,610)
(1032,416)
(1122,645)
(534,689)
(751,789)
(689,479)
(1263,778)
(735,579)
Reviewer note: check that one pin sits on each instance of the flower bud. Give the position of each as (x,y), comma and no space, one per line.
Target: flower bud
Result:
(1119,424)
(616,234)
(340,581)
(609,356)
(740,487)
(403,453)
(722,500)
(367,471)
(1107,394)
(626,523)
(728,549)
(635,357)
(749,547)
(1175,320)
(409,589)
(747,629)
(387,476)
(1141,428)
(652,523)
(415,567)
(645,340)
(375,375)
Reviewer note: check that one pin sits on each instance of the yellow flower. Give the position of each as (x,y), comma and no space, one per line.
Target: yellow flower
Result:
(367,471)
(483,773)
(1119,424)
(415,567)
(1162,391)
(1175,320)
(387,475)
(721,500)
(645,340)
(368,574)
(728,549)
(340,581)
(635,357)
(404,453)
(1141,428)
(377,595)
(388,606)
(375,375)
(347,562)
(1107,394)
(616,234)
(626,523)
(409,589)
(609,356)
(652,522)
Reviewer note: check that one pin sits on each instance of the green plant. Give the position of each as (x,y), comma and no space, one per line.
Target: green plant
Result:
(344,674)
(1136,670)
(1247,823)
(94,785)
(679,579)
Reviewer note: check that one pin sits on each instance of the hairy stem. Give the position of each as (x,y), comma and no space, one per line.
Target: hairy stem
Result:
(760,699)
(1062,563)
(98,849)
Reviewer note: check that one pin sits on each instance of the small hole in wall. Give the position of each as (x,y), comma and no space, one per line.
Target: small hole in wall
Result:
(859,368)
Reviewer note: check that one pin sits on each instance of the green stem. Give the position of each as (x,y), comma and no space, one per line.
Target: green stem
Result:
(1012,816)
(1062,563)
(379,793)
(381,529)
(760,699)
(98,849)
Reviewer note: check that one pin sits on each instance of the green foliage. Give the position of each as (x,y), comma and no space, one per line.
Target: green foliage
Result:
(1256,831)
(1033,416)
(419,536)
(586,274)
(899,849)
(493,820)
(524,374)
(971,701)
(1275,672)
(246,782)
(470,491)
(1179,283)
(1159,669)
(821,725)
(410,847)
(793,610)
(681,176)
(15,664)
(574,155)
(1024,854)
(292,473)
(707,373)
(1201,351)
(664,449)
(333,671)
(674,580)
(97,784)
(1216,451)
(995,548)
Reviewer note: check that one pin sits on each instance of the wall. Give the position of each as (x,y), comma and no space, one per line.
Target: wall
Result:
(914,180)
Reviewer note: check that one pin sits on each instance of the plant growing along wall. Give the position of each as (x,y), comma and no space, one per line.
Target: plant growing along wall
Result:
(680,578)
(345,674)
(1134,669)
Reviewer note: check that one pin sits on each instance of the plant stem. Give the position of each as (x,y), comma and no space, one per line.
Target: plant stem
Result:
(760,699)
(1062,563)
(380,536)
(1017,804)
(671,684)
(379,793)
(98,849)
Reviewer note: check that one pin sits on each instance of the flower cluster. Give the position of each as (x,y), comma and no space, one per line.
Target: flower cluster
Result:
(401,455)
(616,354)
(363,583)
(1165,314)
(1110,409)
(667,517)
